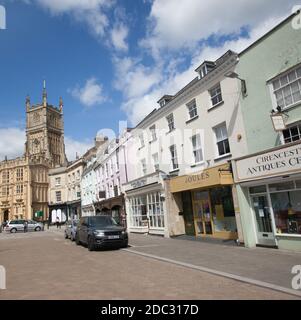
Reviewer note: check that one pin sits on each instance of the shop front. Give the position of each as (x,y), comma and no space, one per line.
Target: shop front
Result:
(207,203)
(146,205)
(115,207)
(74,209)
(269,190)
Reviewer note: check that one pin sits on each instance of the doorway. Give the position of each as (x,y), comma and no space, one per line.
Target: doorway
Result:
(203,220)
(264,224)
(6,215)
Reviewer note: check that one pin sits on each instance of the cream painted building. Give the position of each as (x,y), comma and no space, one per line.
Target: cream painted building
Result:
(24,180)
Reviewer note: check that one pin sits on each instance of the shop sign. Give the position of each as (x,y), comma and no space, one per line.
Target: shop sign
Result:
(139,183)
(145,181)
(207,178)
(282,161)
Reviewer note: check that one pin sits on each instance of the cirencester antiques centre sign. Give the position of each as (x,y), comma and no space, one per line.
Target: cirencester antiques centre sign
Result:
(282,161)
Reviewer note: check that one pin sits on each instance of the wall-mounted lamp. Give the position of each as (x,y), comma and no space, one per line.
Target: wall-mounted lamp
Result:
(234,75)
(279,119)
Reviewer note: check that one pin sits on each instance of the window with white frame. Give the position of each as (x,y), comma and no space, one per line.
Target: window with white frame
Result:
(141,138)
(292,134)
(107,170)
(197,148)
(192,109)
(216,95)
(117,160)
(153,132)
(222,141)
(57,182)
(170,122)
(58,195)
(138,211)
(174,157)
(143,166)
(156,161)
(155,210)
(287,88)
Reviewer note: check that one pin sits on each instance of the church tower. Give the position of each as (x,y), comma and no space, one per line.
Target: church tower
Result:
(45,133)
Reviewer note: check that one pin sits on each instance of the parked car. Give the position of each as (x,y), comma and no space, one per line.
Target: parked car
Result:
(70,230)
(101,231)
(14,226)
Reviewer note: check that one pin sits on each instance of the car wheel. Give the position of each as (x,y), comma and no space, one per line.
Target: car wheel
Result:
(14,230)
(77,241)
(91,245)
(72,238)
(125,245)
(66,236)
(37,229)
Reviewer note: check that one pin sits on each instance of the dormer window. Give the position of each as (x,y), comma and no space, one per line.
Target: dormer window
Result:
(205,68)
(164,100)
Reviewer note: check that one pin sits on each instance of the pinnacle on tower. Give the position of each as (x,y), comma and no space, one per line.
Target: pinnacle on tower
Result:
(44,94)
(61,104)
(27,102)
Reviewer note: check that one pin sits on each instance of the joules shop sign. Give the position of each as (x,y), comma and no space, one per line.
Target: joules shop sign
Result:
(285,160)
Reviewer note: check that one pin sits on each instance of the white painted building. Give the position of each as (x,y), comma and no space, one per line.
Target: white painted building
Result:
(110,174)
(88,181)
(180,179)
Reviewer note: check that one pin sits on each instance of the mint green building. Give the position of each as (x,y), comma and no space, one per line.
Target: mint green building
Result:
(268,179)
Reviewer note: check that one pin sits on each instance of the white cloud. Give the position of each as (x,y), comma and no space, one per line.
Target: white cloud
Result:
(12,143)
(168,79)
(118,37)
(74,147)
(90,12)
(177,23)
(133,78)
(89,95)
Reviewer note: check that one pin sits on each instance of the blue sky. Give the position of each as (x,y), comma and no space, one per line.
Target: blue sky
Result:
(111,60)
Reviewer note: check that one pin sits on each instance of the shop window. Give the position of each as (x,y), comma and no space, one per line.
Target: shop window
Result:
(298,184)
(282,186)
(257,190)
(287,211)
(155,210)
(223,210)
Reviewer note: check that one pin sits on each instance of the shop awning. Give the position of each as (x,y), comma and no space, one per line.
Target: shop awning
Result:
(216,176)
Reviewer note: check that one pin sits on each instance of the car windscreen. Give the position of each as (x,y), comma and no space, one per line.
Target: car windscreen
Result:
(100,222)
(75,223)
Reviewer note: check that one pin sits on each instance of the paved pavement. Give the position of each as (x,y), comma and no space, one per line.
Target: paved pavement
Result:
(44,265)
(261,264)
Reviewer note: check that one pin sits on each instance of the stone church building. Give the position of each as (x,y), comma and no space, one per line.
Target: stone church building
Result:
(24,181)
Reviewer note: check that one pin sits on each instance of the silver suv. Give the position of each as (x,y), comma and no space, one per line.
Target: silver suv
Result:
(14,226)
